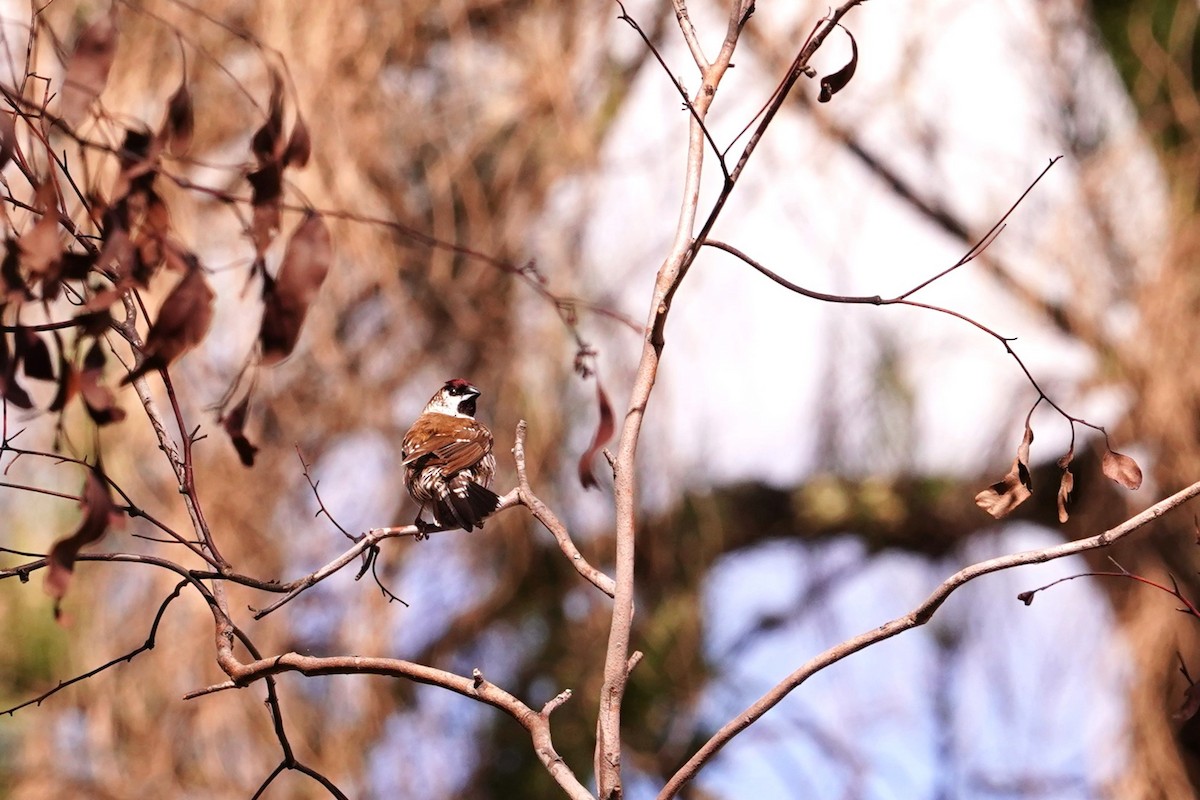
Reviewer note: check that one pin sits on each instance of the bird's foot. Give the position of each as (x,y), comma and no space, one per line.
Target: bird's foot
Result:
(423,529)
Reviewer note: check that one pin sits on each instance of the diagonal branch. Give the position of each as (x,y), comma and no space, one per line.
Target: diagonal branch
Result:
(915,618)
(551,522)
(689,33)
(979,246)
(704,68)
(147,645)
(373,537)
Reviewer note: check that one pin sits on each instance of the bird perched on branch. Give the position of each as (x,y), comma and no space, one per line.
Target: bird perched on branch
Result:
(448,461)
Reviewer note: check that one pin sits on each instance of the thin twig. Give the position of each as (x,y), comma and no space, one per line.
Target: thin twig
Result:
(1190,608)
(147,645)
(687,101)
(689,33)
(903,299)
(321,509)
(987,238)
(372,537)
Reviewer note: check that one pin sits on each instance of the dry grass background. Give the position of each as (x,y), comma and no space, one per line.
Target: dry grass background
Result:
(457,118)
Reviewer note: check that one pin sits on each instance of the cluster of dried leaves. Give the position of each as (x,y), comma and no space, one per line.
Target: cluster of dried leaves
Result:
(1003,496)
(86,246)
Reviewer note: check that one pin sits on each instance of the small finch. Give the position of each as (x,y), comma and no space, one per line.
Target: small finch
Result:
(448,461)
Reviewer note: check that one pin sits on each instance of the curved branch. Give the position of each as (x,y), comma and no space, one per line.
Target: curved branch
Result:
(537,723)
(689,33)
(542,513)
(915,618)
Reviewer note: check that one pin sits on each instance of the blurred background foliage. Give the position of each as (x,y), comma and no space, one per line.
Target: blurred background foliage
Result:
(471,121)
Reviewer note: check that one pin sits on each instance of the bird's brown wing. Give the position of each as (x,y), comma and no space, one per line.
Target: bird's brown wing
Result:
(454,443)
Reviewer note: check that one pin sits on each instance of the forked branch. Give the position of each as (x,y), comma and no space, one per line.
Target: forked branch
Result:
(683,251)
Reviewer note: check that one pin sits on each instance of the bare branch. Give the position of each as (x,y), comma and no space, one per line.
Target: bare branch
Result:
(550,522)
(987,238)
(179,458)
(297,587)
(689,33)
(289,760)
(321,509)
(903,299)
(147,645)
(915,618)
(704,69)
(475,687)
(678,261)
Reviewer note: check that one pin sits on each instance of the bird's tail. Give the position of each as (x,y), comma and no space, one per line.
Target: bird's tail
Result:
(465,505)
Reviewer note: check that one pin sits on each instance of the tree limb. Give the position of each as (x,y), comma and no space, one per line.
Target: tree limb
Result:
(915,618)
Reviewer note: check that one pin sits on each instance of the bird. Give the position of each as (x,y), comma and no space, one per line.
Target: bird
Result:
(448,461)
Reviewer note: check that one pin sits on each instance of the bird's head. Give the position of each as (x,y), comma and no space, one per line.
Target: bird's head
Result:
(456,398)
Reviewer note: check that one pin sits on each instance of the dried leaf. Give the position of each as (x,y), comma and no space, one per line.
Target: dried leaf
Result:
(98,511)
(34,354)
(98,398)
(77,266)
(266,193)
(150,236)
(13,393)
(1023,457)
(1002,497)
(286,299)
(139,164)
(118,254)
(41,245)
(179,258)
(8,137)
(68,379)
(1067,484)
(234,424)
(180,123)
(1066,460)
(93,323)
(117,251)
(299,146)
(604,431)
(267,140)
(181,324)
(88,68)
(1191,704)
(105,299)
(9,388)
(832,84)
(1122,469)
(15,287)
(1065,487)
